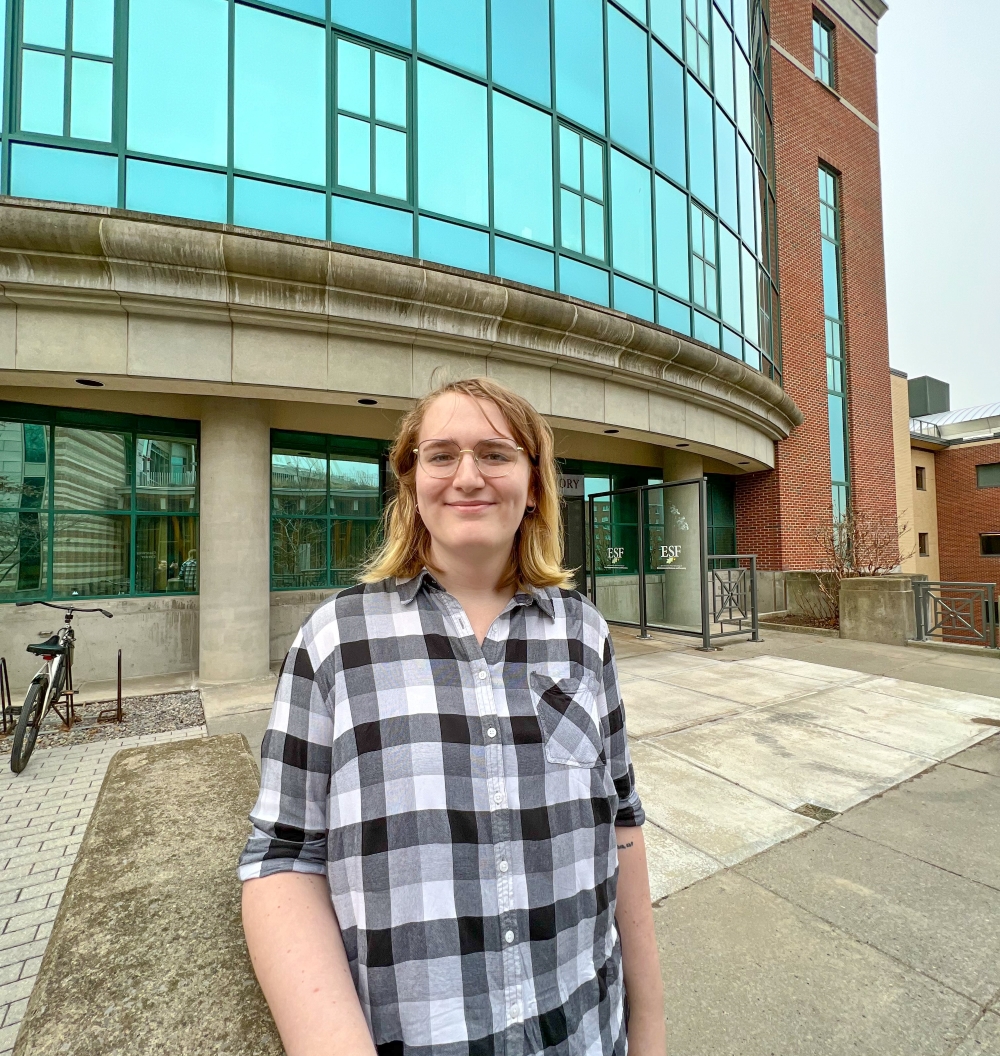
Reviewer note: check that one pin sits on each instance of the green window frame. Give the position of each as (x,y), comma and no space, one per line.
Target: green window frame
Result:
(698,38)
(704,260)
(823,49)
(112,509)
(327,499)
(582,195)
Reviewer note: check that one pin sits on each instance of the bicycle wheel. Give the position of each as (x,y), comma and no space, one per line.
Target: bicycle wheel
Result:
(26,730)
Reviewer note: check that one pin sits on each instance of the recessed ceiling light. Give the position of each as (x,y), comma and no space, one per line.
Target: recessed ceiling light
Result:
(90,382)
(683,445)
(366,402)
(611,430)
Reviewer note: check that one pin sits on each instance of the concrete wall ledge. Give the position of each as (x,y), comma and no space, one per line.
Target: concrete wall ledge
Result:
(878,609)
(147,952)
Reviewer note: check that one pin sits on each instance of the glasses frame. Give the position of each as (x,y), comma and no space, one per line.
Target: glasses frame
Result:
(466,451)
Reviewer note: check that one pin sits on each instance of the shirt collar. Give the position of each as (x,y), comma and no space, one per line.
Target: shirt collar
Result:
(409,588)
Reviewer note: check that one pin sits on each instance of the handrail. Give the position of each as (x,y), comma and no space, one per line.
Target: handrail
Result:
(956,611)
(6,702)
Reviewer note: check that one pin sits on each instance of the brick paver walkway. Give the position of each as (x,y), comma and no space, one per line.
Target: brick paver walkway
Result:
(43,814)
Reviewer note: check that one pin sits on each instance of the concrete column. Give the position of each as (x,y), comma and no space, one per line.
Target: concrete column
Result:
(234,632)
(681,465)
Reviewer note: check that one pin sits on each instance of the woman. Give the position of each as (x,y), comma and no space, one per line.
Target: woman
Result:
(446,856)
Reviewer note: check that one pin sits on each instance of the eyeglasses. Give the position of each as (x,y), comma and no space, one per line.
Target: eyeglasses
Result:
(494,458)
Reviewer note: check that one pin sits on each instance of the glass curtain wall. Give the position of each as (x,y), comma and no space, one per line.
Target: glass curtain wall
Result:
(96,505)
(620,151)
(833,315)
(326,505)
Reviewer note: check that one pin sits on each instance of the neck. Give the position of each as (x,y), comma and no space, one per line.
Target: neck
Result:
(471,575)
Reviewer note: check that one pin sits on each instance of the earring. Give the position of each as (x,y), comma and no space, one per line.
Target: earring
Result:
(529,509)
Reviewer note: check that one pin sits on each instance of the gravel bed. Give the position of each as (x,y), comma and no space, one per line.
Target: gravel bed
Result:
(161,713)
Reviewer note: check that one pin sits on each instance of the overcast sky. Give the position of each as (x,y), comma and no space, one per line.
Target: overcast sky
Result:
(939,123)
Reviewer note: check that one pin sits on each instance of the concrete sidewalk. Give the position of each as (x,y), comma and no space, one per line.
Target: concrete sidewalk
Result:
(876,933)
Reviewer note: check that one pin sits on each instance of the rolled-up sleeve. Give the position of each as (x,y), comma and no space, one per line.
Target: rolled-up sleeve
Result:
(290,816)
(630,812)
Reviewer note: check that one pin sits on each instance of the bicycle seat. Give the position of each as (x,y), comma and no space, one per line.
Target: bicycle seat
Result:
(50,647)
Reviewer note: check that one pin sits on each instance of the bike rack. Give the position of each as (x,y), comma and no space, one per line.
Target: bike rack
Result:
(6,703)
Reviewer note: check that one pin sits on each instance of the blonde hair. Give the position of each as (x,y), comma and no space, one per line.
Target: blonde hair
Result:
(536,556)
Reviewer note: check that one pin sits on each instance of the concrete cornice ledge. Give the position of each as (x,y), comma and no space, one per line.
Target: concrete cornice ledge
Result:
(111,260)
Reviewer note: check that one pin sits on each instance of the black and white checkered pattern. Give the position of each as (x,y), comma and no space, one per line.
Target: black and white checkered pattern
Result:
(461,800)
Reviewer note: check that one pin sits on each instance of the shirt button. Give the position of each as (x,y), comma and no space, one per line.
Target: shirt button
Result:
(514,1010)
(482,675)
(504,867)
(491,732)
(498,797)
(508,936)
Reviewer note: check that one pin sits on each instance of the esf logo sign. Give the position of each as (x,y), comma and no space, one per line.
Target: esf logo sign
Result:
(615,554)
(670,554)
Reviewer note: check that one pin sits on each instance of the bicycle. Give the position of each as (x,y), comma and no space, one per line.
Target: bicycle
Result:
(49,684)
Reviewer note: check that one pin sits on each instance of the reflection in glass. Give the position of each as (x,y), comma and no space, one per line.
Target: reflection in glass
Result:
(298,482)
(23,466)
(522,170)
(166,474)
(354,488)
(279,104)
(372,226)
(580,51)
(628,84)
(722,55)
(746,194)
(90,100)
(452,244)
(175,191)
(451,149)
(631,205)
(386,20)
(729,274)
(703,259)
(665,22)
(453,31)
(672,261)
(273,207)
(515,260)
(668,116)
(726,156)
(298,552)
(23,546)
(750,297)
(91,470)
(90,553)
(42,92)
(166,555)
(178,62)
(701,143)
(519,31)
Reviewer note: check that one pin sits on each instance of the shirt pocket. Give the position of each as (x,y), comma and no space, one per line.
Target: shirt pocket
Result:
(567,714)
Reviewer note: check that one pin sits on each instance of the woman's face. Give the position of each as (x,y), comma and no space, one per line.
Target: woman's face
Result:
(470,514)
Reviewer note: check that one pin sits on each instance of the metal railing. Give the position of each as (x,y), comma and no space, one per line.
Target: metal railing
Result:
(732,592)
(956,612)
(927,429)
(6,703)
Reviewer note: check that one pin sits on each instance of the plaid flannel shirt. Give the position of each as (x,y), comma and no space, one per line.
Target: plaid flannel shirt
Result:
(461,800)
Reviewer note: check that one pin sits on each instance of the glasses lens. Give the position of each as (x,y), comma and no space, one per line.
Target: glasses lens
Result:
(439,458)
(496,457)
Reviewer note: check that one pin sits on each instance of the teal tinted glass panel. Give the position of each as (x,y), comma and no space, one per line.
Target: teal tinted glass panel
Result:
(673,315)
(451,149)
(707,330)
(372,226)
(570,170)
(453,31)
(42,92)
(665,22)
(571,219)
(838,454)
(631,207)
(90,102)
(672,248)
(741,23)
(178,61)
(725,153)
(390,89)
(583,281)
(628,84)
(515,260)
(729,274)
(354,153)
(732,344)
(390,163)
(632,298)
(273,207)
(354,78)
(668,116)
(387,20)
(175,191)
(722,63)
(751,356)
(519,31)
(94,27)
(593,169)
(279,104)
(746,171)
(593,229)
(743,114)
(579,53)
(63,175)
(750,321)
(637,8)
(701,146)
(44,22)
(831,281)
(522,170)
(459,247)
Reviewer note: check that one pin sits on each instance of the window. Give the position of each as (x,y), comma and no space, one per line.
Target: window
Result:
(703,260)
(522,170)
(989,545)
(823,49)
(581,194)
(921,478)
(988,476)
(923,544)
(96,505)
(67,68)
(628,84)
(371,120)
(697,14)
(326,503)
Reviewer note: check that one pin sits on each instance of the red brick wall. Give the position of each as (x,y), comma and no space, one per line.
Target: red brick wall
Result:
(780,514)
(964,511)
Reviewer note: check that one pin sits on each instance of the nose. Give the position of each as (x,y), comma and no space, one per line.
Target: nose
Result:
(467,474)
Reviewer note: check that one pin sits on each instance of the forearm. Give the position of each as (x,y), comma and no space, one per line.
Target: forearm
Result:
(298,955)
(640,958)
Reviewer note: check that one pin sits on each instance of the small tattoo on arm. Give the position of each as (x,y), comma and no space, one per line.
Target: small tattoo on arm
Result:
(625,846)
